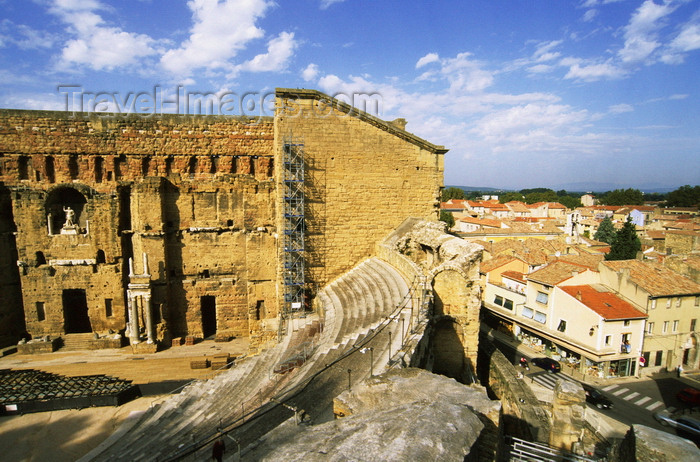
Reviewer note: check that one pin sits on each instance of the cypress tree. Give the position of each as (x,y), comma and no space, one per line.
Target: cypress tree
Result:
(626,243)
(605,232)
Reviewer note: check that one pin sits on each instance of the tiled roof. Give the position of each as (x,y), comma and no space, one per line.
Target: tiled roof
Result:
(604,302)
(514,275)
(654,234)
(556,272)
(588,260)
(481,222)
(655,279)
(495,262)
(556,205)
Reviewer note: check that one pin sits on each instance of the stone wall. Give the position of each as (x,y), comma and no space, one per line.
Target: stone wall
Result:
(200,198)
(363,178)
(193,194)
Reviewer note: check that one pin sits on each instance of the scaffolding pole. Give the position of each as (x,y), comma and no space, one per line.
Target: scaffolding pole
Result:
(294,226)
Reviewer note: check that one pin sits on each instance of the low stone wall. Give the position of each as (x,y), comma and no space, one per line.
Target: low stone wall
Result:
(37,347)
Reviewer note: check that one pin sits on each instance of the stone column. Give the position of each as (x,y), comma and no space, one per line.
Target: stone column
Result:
(149,318)
(133,309)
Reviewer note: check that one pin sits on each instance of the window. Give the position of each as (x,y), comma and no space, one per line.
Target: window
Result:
(675,325)
(626,322)
(607,340)
(542,298)
(40,312)
(108,307)
(697,300)
(653,304)
(23,167)
(678,302)
(664,329)
(668,303)
(562,326)
(540,317)
(527,312)
(650,328)
(498,300)
(692,325)
(508,304)
(658,358)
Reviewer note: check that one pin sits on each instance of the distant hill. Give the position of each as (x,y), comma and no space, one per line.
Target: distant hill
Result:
(477,188)
(582,187)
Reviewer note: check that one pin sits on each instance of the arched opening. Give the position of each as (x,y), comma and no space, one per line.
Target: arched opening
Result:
(40,258)
(65,209)
(100,258)
(448,350)
(145,165)
(99,169)
(192,166)
(73,168)
(50,169)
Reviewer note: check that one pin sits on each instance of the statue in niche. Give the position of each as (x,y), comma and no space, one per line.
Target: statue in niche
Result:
(69,217)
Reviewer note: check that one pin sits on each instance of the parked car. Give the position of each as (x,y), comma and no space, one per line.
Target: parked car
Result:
(596,397)
(686,427)
(689,396)
(548,364)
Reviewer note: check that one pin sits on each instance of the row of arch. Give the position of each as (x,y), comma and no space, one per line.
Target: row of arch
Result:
(241,164)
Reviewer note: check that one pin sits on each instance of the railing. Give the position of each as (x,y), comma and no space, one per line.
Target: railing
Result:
(296,389)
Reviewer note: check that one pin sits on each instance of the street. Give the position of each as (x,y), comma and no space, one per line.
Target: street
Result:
(634,401)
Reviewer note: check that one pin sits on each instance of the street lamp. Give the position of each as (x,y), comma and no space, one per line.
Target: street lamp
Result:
(371,359)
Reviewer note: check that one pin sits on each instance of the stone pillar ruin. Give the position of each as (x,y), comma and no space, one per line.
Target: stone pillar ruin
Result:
(568,415)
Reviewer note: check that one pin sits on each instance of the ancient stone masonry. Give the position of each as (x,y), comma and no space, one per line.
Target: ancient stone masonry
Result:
(169,226)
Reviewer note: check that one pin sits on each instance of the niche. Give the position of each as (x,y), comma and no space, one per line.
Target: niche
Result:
(65,210)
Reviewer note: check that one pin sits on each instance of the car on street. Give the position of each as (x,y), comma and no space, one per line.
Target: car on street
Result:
(596,397)
(686,427)
(548,364)
(689,396)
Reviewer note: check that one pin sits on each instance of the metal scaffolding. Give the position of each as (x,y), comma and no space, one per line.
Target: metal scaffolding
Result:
(294,226)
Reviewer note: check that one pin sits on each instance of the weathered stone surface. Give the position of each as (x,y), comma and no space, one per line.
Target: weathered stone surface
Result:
(568,415)
(407,414)
(644,444)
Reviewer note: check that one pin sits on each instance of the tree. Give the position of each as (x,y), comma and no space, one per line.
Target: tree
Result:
(452,193)
(510,196)
(685,196)
(626,243)
(606,231)
(623,197)
(448,218)
(570,202)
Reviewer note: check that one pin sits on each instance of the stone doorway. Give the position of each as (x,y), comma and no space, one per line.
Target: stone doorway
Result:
(208,309)
(75,312)
(450,359)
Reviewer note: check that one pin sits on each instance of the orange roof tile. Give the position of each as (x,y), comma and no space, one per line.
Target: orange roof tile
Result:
(655,279)
(556,272)
(514,275)
(604,302)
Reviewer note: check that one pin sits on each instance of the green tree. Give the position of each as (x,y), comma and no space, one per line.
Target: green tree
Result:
(510,196)
(626,243)
(543,196)
(569,202)
(452,193)
(606,231)
(623,197)
(685,196)
(447,217)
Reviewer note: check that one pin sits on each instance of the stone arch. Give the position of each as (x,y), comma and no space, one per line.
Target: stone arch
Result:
(60,203)
(450,359)
(450,290)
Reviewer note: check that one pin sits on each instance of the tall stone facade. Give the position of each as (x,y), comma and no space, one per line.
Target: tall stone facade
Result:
(169,226)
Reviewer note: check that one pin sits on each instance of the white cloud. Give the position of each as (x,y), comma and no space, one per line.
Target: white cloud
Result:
(24,37)
(325,4)
(221,29)
(310,73)
(620,108)
(427,59)
(589,15)
(641,31)
(593,72)
(465,74)
(279,50)
(97,45)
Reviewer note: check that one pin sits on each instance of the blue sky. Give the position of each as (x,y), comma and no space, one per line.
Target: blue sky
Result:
(524,93)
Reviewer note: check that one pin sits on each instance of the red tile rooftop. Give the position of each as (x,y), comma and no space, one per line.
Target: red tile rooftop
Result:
(604,302)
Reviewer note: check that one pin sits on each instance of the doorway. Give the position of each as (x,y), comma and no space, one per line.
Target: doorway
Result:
(208,309)
(75,312)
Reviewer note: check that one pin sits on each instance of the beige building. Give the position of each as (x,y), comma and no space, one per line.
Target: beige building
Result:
(672,304)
